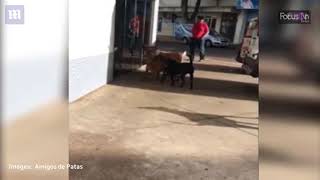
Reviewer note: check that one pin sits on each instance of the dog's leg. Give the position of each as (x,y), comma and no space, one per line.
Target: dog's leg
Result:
(191,80)
(157,75)
(172,79)
(182,77)
(163,78)
(154,75)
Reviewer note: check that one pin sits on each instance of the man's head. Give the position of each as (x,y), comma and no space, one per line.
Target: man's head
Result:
(201,19)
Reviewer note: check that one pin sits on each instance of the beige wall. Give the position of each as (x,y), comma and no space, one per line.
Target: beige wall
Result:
(167,29)
(228,3)
(204,3)
(170,3)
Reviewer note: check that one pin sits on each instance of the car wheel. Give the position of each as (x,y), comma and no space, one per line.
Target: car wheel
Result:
(185,40)
(208,43)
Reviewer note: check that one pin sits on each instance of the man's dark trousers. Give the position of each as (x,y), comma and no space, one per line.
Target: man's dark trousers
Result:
(197,43)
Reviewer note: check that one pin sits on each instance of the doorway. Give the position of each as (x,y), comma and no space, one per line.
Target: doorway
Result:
(132,29)
(228,25)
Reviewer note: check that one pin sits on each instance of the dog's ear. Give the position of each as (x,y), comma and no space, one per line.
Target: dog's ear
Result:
(183,54)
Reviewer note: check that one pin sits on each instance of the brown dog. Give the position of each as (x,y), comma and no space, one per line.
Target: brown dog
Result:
(173,55)
(156,66)
(157,63)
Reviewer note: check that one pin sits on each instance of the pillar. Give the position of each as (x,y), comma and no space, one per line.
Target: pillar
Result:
(240,26)
(154,22)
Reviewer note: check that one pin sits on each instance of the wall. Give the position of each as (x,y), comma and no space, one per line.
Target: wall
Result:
(170,3)
(204,3)
(167,29)
(91,33)
(154,22)
(218,22)
(33,58)
(227,3)
(240,27)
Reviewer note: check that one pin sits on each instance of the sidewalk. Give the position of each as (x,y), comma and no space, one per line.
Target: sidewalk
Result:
(138,129)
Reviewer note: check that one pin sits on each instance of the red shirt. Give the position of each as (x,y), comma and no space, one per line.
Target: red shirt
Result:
(135,25)
(199,30)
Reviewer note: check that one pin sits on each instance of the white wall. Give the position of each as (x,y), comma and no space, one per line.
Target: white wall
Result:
(154,22)
(91,31)
(34,56)
(240,26)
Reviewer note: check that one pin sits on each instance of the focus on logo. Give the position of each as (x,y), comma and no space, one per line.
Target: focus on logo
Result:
(295,17)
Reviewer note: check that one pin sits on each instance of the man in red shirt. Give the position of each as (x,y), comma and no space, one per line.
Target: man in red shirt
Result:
(199,30)
(134,31)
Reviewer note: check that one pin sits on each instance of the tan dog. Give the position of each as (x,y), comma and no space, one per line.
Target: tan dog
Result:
(173,55)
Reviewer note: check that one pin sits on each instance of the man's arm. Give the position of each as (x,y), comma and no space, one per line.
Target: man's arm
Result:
(193,29)
(206,30)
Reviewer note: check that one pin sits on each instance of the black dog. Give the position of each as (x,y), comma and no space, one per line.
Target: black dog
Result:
(174,69)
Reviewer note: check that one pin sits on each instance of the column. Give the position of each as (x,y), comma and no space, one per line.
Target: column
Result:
(154,22)
(240,26)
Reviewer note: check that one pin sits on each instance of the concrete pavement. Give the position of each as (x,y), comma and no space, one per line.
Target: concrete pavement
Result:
(138,129)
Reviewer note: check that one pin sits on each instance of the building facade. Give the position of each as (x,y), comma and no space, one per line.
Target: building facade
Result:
(223,16)
(98,39)
(65,56)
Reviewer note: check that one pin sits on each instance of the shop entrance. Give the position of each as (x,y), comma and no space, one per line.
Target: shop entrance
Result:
(132,29)
(228,25)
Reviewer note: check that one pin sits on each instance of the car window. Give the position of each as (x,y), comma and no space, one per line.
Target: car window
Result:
(188,27)
(214,33)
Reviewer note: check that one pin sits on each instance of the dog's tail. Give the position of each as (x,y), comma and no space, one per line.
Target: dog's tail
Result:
(185,53)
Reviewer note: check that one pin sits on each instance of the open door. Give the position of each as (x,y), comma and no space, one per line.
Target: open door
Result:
(132,30)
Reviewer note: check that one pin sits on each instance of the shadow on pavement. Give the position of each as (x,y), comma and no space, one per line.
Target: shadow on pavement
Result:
(219,68)
(207,119)
(119,163)
(202,86)
(211,52)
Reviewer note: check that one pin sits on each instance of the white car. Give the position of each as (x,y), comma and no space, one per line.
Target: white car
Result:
(213,39)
